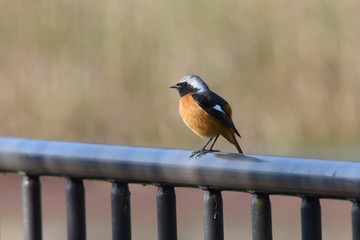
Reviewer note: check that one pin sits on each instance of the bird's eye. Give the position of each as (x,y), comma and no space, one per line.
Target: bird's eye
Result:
(184,84)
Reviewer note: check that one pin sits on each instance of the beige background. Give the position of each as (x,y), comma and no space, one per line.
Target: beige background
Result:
(99,72)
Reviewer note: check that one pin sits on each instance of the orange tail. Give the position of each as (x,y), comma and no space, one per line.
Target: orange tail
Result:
(237,145)
(230,136)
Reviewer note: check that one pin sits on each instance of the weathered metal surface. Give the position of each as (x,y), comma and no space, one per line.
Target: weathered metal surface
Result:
(227,171)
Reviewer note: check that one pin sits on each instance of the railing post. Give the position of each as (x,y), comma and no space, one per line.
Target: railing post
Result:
(261,217)
(31,195)
(310,219)
(166,213)
(355,220)
(213,215)
(121,211)
(75,200)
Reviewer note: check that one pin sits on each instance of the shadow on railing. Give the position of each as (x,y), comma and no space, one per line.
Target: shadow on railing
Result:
(261,176)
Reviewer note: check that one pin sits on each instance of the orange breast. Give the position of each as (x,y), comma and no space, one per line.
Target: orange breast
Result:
(198,119)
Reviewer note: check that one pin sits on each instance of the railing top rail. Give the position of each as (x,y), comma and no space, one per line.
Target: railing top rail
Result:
(229,171)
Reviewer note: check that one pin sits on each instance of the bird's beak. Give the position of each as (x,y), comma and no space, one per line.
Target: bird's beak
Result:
(174,86)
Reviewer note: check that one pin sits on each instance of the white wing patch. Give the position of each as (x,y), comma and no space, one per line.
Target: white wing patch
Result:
(218,108)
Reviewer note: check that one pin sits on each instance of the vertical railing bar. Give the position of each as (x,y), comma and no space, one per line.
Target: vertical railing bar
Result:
(166,213)
(355,220)
(121,211)
(75,200)
(31,196)
(311,218)
(213,215)
(261,217)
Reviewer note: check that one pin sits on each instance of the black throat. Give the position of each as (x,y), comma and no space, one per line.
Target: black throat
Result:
(187,90)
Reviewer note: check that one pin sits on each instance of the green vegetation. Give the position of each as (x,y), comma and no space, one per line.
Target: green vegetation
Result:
(100,71)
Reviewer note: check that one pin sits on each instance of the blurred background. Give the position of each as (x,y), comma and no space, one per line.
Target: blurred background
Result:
(100,72)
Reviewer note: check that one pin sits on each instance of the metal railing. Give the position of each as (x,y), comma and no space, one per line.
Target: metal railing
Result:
(261,176)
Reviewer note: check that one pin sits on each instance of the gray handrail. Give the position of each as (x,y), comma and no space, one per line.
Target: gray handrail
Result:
(225,171)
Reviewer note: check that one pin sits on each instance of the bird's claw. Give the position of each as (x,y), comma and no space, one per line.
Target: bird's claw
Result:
(199,153)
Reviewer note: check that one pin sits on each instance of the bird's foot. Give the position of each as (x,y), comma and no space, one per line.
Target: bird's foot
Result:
(201,152)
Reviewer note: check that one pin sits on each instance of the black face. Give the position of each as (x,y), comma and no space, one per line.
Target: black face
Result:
(184,88)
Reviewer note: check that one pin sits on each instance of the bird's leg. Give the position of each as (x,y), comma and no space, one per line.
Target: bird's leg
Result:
(212,145)
(203,150)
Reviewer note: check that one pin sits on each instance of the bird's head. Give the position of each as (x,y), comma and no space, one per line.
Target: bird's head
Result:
(190,84)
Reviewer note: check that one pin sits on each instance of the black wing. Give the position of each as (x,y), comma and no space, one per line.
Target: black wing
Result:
(209,102)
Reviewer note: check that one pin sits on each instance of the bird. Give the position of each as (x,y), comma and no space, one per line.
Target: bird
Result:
(206,113)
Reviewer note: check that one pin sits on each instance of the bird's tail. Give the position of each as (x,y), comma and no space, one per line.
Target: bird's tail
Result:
(237,145)
(230,136)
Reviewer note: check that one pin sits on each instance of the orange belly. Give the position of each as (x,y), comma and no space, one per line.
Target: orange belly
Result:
(198,120)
